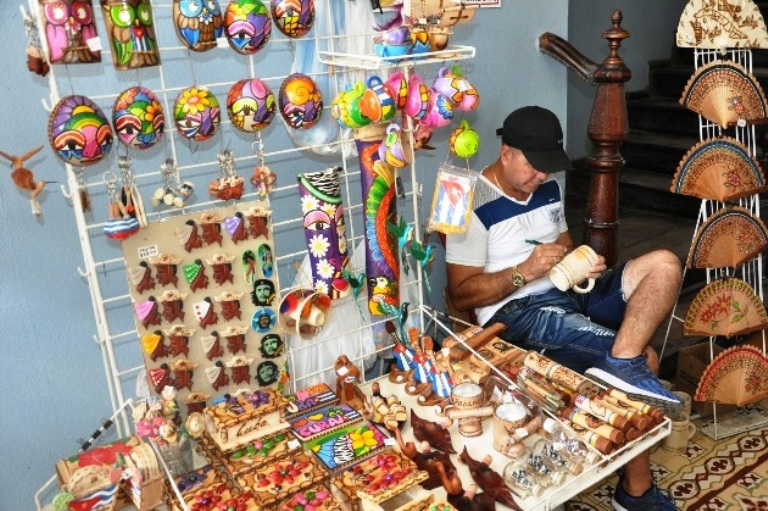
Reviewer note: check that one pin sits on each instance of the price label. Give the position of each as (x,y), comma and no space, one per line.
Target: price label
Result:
(148,251)
(94,43)
(294,444)
(222,42)
(390,442)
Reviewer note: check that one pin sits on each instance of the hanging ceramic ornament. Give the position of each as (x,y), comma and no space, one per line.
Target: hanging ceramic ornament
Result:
(130,197)
(174,193)
(79,131)
(131,30)
(247,26)
(197,114)
(138,118)
(120,224)
(250,105)
(70,29)
(464,141)
(294,18)
(198,23)
(300,101)
(325,231)
(228,185)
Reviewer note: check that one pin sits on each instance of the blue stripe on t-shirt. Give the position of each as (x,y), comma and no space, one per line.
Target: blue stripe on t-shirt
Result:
(501,209)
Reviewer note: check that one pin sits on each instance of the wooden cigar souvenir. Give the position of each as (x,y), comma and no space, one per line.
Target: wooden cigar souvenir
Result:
(476,341)
(594,424)
(561,374)
(654,413)
(636,419)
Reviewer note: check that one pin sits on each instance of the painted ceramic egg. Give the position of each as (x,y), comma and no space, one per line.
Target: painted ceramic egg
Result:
(247,25)
(197,113)
(294,18)
(138,118)
(300,101)
(198,23)
(250,105)
(79,131)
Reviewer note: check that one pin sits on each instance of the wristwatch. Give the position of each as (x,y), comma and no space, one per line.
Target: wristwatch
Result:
(517,278)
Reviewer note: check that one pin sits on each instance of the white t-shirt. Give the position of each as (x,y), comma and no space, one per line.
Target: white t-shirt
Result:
(498,230)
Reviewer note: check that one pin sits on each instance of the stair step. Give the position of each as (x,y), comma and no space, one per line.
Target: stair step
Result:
(640,190)
(655,152)
(662,115)
(670,81)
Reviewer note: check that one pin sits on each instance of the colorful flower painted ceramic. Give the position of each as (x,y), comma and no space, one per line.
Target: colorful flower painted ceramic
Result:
(131,32)
(440,112)
(247,26)
(464,141)
(250,105)
(69,25)
(79,131)
(197,114)
(198,23)
(300,101)
(138,118)
(377,103)
(294,18)
(418,98)
(398,84)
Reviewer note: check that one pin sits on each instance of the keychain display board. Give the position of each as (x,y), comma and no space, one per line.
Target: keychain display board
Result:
(204,291)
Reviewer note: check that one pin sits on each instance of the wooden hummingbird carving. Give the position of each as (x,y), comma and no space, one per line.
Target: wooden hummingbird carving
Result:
(25,178)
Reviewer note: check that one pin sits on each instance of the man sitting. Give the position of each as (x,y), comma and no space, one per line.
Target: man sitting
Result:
(499,268)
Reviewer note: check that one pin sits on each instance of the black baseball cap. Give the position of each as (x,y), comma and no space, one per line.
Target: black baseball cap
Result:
(536,131)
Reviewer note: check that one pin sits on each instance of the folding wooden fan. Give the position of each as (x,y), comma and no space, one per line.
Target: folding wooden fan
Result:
(718,169)
(737,376)
(721,25)
(725,307)
(728,238)
(725,93)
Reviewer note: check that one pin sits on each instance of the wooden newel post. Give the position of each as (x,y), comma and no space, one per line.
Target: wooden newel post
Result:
(608,128)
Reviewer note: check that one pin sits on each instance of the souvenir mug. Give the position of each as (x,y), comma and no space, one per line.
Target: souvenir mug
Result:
(449,85)
(681,432)
(398,84)
(395,35)
(464,141)
(466,396)
(385,50)
(377,103)
(439,112)
(418,98)
(573,270)
(507,418)
(420,42)
(392,150)
(131,30)
(352,100)
(470,98)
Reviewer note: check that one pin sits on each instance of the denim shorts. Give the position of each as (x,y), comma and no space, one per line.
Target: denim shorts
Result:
(576,330)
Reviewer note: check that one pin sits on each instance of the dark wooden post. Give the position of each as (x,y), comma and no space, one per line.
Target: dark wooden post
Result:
(608,128)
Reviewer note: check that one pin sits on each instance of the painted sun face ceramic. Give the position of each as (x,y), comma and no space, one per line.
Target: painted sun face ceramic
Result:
(294,18)
(300,101)
(131,32)
(138,118)
(69,25)
(198,23)
(197,114)
(79,132)
(250,105)
(247,25)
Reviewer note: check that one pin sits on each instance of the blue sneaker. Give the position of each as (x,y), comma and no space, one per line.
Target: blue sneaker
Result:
(632,376)
(652,500)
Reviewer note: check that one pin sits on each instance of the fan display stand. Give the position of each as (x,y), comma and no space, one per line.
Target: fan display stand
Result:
(751,271)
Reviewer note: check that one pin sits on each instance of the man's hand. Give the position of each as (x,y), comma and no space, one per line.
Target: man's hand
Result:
(541,260)
(598,268)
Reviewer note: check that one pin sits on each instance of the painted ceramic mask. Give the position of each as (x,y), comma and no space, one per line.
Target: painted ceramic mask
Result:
(247,26)
(197,114)
(138,118)
(69,25)
(294,18)
(131,32)
(300,101)
(198,23)
(79,131)
(250,105)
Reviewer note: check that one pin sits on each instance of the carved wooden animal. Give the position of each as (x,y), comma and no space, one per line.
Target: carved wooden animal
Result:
(25,179)
(436,435)
(428,461)
(462,500)
(489,480)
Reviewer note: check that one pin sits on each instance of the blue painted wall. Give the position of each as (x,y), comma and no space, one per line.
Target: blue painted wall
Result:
(54,389)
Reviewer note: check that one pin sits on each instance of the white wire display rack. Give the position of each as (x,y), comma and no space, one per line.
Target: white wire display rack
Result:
(751,271)
(103,265)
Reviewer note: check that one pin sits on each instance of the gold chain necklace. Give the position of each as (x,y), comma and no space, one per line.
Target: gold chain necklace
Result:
(496,179)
